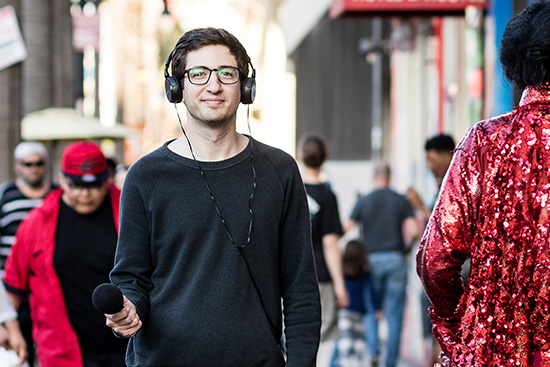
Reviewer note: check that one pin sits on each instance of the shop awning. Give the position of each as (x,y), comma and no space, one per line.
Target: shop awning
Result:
(68,124)
(341,8)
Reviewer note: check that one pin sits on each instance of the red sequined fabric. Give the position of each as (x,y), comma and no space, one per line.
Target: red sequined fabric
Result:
(493,208)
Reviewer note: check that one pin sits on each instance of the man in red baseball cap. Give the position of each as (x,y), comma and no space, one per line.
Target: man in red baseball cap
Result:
(62,252)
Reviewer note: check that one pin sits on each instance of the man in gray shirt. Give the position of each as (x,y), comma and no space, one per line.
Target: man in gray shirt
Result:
(383,214)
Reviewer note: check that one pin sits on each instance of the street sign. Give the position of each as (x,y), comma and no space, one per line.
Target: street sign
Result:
(12,46)
(85,31)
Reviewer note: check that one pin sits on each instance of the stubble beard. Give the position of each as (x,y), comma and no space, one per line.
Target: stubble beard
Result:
(214,122)
(35,184)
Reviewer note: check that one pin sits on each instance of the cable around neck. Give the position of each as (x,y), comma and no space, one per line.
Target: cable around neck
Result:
(224,222)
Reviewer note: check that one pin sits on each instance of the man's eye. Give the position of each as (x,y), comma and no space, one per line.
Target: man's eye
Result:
(197,73)
(229,73)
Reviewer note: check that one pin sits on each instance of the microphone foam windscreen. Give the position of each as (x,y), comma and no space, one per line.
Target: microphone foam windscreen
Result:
(107,299)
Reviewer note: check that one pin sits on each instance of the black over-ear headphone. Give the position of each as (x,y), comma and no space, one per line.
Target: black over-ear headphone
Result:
(172,84)
(174,87)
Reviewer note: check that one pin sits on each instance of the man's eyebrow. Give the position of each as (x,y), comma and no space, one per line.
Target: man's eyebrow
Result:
(218,67)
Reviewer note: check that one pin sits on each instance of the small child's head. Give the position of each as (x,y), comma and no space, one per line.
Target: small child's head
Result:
(354,259)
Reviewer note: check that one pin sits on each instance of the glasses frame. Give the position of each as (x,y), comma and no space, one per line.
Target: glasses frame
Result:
(78,187)
(210,74)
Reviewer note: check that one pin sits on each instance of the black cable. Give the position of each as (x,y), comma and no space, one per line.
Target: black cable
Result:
(212,195)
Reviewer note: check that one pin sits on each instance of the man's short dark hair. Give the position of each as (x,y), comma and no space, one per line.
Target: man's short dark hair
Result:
(382,170)
(200,37)
(440,143)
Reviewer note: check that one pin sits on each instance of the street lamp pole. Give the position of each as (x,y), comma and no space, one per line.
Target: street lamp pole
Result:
(373,48)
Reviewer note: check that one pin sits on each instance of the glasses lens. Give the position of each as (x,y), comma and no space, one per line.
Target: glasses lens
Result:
(201,75)
(228,75)
(198,75)
(92,186)
(30,164)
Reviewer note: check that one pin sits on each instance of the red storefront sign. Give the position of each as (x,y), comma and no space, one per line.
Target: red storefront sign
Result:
(434,7)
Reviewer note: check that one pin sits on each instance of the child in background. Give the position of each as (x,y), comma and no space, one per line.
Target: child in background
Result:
(351,347)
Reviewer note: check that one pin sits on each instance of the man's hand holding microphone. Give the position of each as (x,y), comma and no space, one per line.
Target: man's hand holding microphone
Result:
(120,313)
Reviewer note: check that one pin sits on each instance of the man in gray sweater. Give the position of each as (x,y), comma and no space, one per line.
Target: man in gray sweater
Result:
(215,231)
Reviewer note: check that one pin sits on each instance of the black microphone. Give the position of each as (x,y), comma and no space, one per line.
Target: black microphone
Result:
(107,299)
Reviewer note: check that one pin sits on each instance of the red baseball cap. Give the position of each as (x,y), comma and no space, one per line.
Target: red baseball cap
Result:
(84,162)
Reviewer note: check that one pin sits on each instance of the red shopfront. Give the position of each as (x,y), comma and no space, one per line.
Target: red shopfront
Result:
(340,8)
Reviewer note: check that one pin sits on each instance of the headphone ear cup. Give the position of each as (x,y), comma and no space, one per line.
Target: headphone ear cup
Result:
(248,92)
(173,89)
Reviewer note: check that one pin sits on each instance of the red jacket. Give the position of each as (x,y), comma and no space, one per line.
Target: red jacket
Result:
(30,270)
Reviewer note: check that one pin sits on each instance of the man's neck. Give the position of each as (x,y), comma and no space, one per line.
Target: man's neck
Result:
(30,191)
(210,145)
(381,183)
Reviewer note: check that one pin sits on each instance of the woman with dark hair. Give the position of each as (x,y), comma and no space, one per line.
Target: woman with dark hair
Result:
(326,230)
(493,209)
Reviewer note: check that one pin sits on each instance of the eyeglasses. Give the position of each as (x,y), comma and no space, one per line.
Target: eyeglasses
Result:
(31,164)
(80,186)
(201,75)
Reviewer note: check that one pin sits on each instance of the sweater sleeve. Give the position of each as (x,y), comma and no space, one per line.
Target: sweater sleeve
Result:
(133,266)
(299,288)
(17,271)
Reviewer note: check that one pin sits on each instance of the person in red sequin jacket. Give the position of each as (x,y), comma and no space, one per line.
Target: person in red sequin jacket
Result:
(493,208)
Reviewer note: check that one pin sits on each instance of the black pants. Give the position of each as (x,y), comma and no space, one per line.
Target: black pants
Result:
(114,359)
(25,324)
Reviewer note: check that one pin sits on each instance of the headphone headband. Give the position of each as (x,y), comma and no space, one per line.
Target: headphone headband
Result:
(167,64)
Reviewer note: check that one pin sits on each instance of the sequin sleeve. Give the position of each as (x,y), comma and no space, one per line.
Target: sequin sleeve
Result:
(446,242)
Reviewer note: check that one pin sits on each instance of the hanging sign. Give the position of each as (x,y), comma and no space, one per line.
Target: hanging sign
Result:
(85,31)
(12,47)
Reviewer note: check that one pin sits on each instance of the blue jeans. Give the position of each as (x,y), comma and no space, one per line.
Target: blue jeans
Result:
(388,271)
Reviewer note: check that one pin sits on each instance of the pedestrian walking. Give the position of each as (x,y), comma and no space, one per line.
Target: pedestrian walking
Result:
(385,215)
(63,250)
